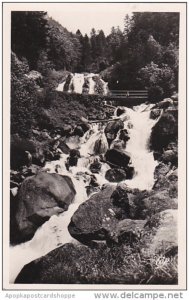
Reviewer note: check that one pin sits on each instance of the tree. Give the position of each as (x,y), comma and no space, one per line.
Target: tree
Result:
(164,27)
(28,34)
(128,23)
(115,42)
(24,106)
(93,44)
(153,76)
(86,51)
(63,48)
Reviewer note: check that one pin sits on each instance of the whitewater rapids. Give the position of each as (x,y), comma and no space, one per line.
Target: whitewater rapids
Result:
(54,232)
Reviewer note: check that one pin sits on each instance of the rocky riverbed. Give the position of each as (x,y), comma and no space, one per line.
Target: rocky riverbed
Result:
(98,203)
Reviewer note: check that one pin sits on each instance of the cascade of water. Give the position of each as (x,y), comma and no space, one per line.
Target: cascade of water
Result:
(139,125)
(54,232)
(60,87)
(78,81)
(105,86)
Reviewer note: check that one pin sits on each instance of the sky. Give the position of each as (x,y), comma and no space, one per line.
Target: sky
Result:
(85,16)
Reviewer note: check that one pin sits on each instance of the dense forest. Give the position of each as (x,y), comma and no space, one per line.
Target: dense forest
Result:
(142,56)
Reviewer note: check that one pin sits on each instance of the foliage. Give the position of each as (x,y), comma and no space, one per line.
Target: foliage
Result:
(153,76)
(24,104)
(144,55)
(100,265)
(148,46)
(60,109)
(63,47)
(28,34)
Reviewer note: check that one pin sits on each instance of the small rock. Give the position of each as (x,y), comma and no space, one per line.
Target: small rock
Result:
(95,167)
(112,129)
(78,131)
(124,135)
(115,175)
(155,113)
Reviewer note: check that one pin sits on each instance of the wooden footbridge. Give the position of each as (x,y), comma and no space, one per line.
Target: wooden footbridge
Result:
(127,97)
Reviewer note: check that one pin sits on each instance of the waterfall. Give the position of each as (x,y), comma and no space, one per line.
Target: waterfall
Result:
(54,232)
(60,87)
(77,83)
(139,125)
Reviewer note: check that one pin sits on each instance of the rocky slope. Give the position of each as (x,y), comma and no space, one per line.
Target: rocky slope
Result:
(125,235)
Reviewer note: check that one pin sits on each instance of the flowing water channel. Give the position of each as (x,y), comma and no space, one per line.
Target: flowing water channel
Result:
(54,232)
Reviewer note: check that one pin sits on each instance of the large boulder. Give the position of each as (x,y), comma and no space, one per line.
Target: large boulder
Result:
(128,230)
(161,233)
(58,266)
(94,218)
(117,157)
(112,129)
(143,204)
(41,196)
(78,264)
(164,131)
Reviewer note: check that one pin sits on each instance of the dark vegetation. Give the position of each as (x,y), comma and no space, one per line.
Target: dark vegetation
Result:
(143,56)
(99,266)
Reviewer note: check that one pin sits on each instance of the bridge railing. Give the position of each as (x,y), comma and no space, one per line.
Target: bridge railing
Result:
(128,94)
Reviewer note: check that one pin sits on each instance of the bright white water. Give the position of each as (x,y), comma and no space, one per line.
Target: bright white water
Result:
(91,84)
(60,87)
(54,232)
(139,125)
(77,82)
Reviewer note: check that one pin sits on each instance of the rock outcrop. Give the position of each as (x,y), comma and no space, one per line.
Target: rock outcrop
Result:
(117,157)
(91,219)
(115,175)
(161,233)
(41,196)
(165,130)
(112,129)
